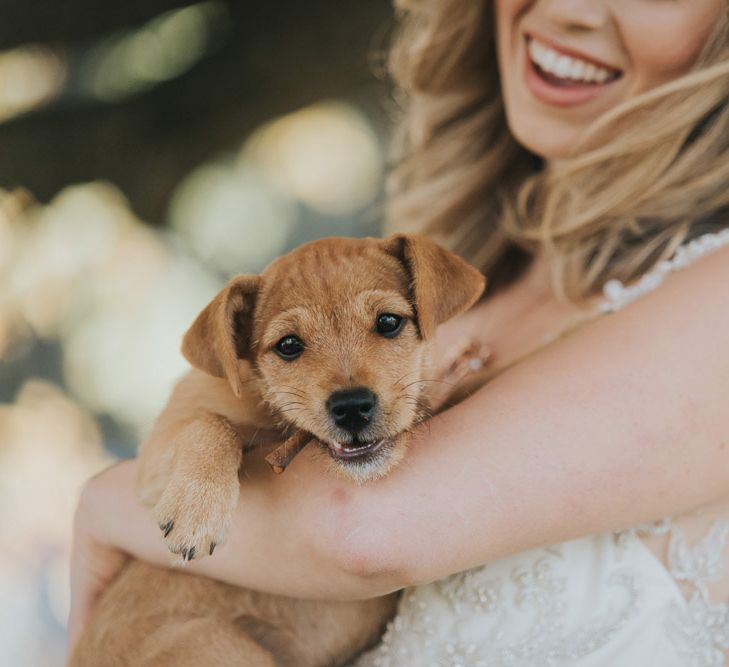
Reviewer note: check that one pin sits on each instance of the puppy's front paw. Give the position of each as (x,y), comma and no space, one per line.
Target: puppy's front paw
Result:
(194,515)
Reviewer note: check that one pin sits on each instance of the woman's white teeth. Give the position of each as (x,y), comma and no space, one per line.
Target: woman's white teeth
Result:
(567,67)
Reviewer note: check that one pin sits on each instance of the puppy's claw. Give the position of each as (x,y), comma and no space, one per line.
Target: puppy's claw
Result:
(196,525)
(166,527)
(212,547)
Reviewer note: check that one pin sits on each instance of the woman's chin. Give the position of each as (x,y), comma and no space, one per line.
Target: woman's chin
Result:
(547,139)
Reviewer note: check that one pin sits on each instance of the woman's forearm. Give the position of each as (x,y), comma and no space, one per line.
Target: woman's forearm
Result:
(270,548)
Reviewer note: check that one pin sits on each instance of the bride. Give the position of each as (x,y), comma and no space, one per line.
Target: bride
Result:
(575,511)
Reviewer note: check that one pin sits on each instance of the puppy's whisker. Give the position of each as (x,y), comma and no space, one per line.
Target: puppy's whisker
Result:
(402,377)
(289,393)
(283,423)
(276,402)
(405,395)
(298,391)
(450,384)
(290,406)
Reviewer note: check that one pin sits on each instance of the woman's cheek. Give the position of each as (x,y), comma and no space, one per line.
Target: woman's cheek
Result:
(675,43)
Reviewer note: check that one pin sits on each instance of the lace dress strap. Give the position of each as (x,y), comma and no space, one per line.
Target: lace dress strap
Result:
(618,295)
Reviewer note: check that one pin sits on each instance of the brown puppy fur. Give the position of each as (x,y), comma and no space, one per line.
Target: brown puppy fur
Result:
(332,339)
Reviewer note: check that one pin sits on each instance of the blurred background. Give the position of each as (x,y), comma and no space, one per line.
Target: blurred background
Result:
(148,151)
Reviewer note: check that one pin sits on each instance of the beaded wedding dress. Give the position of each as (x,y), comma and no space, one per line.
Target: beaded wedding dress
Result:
(650,596)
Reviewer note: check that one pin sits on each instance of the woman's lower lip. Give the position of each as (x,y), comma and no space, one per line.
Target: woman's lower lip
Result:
(560,96)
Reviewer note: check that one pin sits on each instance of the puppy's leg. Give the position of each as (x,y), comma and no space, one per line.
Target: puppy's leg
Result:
(195,509)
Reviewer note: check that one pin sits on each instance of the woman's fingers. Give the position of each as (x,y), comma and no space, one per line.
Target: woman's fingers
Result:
(94,565)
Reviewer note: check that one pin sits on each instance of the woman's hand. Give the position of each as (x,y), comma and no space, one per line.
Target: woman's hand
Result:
(268,548)
(94,564)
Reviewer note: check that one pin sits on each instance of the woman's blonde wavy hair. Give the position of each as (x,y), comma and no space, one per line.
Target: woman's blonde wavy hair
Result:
(611,212)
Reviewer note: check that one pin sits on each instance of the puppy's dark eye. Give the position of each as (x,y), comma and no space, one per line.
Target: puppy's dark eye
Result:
(289,347)
(389,325)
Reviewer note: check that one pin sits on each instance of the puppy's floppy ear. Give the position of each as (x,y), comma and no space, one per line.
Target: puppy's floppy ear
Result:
(442,284)
(221,334)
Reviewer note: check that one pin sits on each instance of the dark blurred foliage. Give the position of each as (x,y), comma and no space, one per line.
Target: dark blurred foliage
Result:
(271,57)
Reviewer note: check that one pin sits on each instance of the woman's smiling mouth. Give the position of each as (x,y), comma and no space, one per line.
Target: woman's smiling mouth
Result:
(561,79)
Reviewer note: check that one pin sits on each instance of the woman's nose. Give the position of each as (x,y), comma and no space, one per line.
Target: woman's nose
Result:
(577,14)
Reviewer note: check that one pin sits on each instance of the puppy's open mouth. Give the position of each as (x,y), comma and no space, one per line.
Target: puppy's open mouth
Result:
(355,450)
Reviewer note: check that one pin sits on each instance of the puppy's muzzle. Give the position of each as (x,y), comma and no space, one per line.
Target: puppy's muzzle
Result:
(352,410)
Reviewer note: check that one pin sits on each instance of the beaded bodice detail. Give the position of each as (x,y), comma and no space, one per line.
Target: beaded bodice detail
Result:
(649,595)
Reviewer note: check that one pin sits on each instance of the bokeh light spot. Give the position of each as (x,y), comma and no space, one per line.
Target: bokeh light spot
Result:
(233,218)
(29,77)
(327,155)
(131,62)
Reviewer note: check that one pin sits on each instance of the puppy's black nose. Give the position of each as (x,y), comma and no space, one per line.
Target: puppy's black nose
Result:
(352,409)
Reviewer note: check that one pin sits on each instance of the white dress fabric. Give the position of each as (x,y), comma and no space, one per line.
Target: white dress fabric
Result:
(638,598)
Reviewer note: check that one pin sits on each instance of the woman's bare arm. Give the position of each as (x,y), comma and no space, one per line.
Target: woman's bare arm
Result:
(622,422)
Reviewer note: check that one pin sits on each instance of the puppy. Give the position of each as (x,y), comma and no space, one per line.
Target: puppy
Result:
(332,341)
